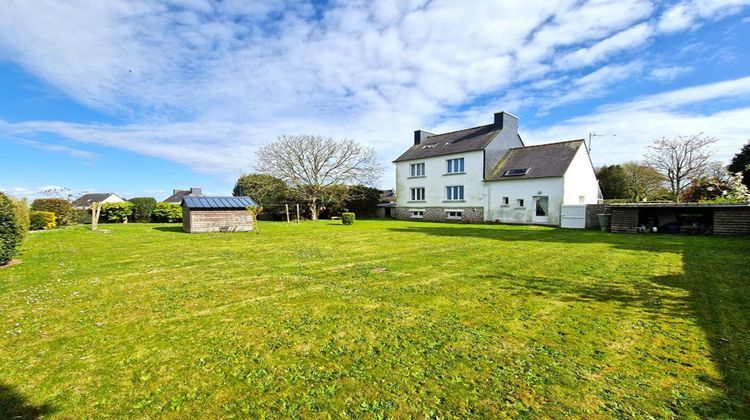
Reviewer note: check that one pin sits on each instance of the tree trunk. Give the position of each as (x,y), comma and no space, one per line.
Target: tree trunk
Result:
(314,210)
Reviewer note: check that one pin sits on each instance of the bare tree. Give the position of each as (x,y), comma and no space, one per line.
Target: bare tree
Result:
(312,165)
(680,159)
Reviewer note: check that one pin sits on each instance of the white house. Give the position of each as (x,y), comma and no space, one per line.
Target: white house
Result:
(486,173)
(84,201)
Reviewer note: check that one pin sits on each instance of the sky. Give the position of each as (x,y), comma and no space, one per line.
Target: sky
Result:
(141,97)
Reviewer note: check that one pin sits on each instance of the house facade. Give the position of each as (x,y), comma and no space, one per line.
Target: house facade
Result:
(84,201)
(486,173)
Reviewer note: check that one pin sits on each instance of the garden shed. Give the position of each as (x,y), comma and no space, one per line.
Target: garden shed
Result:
(687,218)
(216,214)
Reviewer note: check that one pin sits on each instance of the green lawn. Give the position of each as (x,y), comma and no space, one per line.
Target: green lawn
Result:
(378,319)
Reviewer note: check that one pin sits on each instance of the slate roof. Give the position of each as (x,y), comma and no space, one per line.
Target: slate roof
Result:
(217,203)
(179,194)
(543,160)
(86,199)
(466,140)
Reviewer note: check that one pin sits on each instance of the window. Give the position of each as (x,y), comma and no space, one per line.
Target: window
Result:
(519,202)
(417,194)
(417,214)
(581,199)
(516,172)
(417,169)
(455,214)
(455,165)
(506,201)
(455,192)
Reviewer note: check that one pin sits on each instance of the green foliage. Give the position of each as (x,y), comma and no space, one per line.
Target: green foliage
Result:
(117,212)
(347,218)
(59,206)
(167,213)
(42,220)
(80,216)
(729,190)
(612,181)
(362,200)
(741,163)
(22,217)
(9,238)
(143,208)
(263,189)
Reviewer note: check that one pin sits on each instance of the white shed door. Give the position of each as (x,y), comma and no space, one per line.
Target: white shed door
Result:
(573,217)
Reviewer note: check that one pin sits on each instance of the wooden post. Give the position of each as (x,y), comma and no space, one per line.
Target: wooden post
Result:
(96,210)
(286,206)
(297,213)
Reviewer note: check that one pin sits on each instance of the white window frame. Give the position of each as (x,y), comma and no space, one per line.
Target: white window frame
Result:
(455,165)
(417,169)
(415,194)
(520,202)
(416,213)
(459,214)
(452,193)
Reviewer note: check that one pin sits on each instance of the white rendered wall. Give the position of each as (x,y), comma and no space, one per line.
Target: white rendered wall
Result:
(524,189)
(581,186)
(436,179)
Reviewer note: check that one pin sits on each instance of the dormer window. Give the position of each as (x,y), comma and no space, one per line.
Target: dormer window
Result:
(428,146)
(516,172)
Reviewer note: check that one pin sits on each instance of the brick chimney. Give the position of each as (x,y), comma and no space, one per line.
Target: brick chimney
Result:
(420,135)
(505,120)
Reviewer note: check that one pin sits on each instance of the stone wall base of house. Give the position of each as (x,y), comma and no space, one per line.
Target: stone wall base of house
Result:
(441,214)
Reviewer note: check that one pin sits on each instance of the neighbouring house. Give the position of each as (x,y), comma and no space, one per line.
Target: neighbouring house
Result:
(387,205)
(85,201)
(202,214)
(487,174)
(177,195)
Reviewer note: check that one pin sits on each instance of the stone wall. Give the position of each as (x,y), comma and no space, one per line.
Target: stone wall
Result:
(202,221)
(438,214)
(592,222)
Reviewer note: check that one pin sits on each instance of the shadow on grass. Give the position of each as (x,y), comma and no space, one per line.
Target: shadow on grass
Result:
(170,229)
(716,275)
(14,406)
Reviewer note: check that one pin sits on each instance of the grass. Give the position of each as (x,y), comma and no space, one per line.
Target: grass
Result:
(378,319)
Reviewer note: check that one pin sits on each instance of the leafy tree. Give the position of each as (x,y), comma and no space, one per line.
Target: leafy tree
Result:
(117,212)
(362,200)
(142,208)
(314,166)
(22,217)
(60,206)
(741,163)
(642,182)
(263,188)
(8,229)
(612,181)
(167,213)
(679,159)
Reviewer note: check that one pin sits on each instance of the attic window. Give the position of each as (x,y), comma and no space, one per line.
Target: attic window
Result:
(516,172)
(428,146)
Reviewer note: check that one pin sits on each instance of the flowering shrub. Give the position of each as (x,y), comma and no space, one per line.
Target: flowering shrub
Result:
(729,190)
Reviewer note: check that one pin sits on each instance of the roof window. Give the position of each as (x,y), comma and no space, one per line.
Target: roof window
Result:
(516,172)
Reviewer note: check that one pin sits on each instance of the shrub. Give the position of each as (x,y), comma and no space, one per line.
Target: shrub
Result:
(167,212)
(42,220)
(143,207)
(22,218)
(347,218)
(80,216)
(8,229)
(59,206)
(117,212)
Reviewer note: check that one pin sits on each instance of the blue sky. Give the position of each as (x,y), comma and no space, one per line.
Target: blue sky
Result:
(143,96)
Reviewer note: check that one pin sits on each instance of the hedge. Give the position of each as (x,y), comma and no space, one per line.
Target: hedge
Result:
(22,217)
(117,212)
(143,207)
(42,220)
(80,216)
(59,206)
(8,229)
(347,218)
(167,212)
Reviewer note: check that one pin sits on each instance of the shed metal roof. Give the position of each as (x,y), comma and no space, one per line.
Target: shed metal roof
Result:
(219,203)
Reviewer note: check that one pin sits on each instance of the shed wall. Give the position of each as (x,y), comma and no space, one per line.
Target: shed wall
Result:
(732,221)
(204,221)
(624,220)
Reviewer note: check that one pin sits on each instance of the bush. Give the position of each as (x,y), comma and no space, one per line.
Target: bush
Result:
(59,206)
(80,216)
(143,207)
(8,229)
(42,220)
(22,218)
(117,212)
(167,212)
(347,218)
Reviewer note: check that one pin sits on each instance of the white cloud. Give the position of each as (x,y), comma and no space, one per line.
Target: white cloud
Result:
(668,73)
(689,14)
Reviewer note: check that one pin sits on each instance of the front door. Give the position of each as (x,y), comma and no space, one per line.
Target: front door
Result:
(541,209)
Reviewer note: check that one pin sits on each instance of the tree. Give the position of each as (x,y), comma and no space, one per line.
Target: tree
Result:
(741,163)
(143,207)
(729,189)
(642,182)
(9,239)
(612,181)
(679,159)
(361,200)
(264,189)
(311,165)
